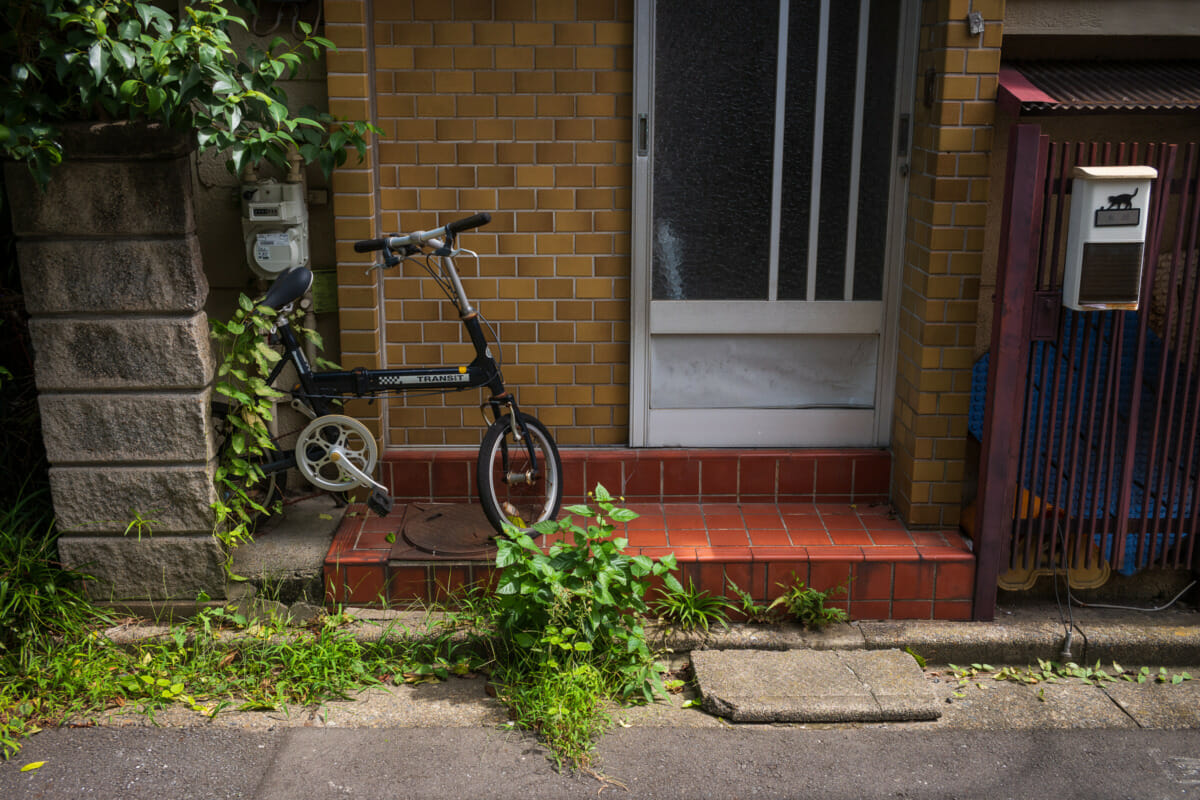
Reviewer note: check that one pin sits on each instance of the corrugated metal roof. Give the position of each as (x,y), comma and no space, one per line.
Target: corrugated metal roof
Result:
(1103,85)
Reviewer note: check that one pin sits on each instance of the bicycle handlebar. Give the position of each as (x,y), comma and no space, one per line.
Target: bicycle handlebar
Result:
(420,237)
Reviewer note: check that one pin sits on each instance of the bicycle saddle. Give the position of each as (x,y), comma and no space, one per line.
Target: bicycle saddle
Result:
(291,284)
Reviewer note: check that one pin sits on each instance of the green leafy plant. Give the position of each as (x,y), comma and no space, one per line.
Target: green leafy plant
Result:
(195,666)
(246,438)
(69,60)
(568,625)
(692,608)
(244,493)
(807,605)
(754,612)
(39,601)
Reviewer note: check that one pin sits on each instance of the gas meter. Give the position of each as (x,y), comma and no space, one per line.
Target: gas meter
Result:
(275,224)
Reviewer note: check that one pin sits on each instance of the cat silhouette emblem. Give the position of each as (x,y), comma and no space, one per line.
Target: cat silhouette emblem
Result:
(1118,201)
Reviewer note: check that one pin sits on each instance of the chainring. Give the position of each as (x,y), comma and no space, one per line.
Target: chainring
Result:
(327,439)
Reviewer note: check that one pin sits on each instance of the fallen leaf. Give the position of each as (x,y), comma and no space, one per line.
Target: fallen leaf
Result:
(32,765)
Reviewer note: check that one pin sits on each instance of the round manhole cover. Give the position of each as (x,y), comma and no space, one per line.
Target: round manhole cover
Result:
(448,529)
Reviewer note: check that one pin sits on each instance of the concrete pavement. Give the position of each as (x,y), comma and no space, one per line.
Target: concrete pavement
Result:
(863,672)
(986,738)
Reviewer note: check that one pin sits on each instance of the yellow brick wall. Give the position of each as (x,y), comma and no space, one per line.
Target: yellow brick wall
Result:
(949,191)
(520,108)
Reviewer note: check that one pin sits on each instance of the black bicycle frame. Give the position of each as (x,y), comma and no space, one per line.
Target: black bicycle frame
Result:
(319,389)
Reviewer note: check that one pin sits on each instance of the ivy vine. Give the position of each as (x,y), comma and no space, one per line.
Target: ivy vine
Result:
(245,414)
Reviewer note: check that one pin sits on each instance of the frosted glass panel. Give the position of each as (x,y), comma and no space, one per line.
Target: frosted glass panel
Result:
(803,39)
(714,75)
(837,150)
(877,149)
(763,371)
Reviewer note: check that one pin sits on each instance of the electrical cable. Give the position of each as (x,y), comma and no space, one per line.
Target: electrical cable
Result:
(1069,622)
(1082,604)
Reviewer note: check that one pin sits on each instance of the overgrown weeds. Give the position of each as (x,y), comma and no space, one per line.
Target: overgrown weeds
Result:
(692,608)
(39,601)
(196,666)
(807,605)
(561,637)
(569,635)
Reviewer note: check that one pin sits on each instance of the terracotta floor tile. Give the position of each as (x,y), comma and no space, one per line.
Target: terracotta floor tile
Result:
(778,538)
(815,538)
(835,553)
(685,522)
(760,520)
(679,507)
(842,522)
(893,553)
(890,538)
(850,537)
(929,538)
(739,554)
(806,509)
(687,538)
(729,537)
(647,537)
(794,523)
(724,521)
(879,523)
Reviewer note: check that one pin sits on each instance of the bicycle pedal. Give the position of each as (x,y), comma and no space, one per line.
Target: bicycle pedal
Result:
(380,503)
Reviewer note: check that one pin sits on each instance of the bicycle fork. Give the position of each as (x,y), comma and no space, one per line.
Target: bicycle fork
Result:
(520,434)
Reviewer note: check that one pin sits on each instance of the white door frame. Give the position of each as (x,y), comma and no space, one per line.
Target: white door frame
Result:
(865,316)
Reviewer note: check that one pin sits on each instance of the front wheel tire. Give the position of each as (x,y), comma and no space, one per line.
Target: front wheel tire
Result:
(508,490)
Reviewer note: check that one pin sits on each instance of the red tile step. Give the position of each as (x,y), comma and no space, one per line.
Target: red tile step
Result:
(855,475)
(890,572)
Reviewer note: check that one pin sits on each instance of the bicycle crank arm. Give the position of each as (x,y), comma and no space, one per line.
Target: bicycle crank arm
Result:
(348,467)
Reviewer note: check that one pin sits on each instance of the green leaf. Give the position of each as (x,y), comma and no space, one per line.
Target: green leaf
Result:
(128,90)
(97,60)
(155,97)
(124,55)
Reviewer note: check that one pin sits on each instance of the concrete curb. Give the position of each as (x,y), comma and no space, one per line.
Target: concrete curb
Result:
(1019,636)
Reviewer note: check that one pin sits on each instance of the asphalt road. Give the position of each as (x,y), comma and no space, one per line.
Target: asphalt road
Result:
(728,762)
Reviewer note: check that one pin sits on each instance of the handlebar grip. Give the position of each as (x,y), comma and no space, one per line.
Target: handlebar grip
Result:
(367,245)
(473,221)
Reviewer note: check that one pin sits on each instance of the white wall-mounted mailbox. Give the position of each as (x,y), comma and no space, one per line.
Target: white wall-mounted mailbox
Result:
(1106,237)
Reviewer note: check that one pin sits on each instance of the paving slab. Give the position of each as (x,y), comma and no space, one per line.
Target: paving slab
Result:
(988,704)
(813,686)
(1159,705)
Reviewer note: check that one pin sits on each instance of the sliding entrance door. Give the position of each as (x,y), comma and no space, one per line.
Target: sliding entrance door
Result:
(771,146)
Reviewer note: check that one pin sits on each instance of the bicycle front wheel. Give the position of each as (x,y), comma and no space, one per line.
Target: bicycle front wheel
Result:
(510,489)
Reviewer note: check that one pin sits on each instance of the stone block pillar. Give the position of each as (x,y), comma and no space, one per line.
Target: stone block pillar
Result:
(115,287)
